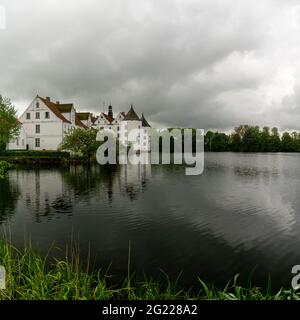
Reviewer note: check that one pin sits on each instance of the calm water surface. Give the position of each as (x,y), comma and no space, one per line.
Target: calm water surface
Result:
(242,214)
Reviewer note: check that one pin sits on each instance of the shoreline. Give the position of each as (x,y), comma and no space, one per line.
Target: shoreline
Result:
(64,158)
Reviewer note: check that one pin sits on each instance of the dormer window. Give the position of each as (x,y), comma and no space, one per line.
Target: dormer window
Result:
(37,104)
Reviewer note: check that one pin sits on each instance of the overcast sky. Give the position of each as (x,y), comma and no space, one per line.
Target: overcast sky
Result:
(200,63)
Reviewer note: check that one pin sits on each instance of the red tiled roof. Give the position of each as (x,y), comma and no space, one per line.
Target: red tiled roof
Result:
(53,107)
(64,107)
(84,115)
(94,119)
(107,117)
(78,122)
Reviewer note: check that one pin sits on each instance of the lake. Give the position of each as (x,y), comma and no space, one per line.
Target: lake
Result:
(241,215)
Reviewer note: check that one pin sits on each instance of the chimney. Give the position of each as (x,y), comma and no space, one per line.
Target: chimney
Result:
(57,102)
(48,98)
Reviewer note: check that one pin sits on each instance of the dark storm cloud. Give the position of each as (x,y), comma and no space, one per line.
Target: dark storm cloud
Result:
(209,64)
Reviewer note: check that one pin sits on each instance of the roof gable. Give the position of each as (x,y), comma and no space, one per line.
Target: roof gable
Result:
(107,117)
(53,107)
(78,122)
(65,107)
(84,115)
(95,119)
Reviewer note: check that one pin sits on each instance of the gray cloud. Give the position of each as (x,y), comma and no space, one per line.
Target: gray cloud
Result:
(202,63)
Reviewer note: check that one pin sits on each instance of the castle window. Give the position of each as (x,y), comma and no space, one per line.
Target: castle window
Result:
(47,115)
(37,128)
(27,115)
(37,115)
(37,142)
(37,104)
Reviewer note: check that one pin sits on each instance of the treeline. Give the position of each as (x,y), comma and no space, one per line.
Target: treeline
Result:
(247,138)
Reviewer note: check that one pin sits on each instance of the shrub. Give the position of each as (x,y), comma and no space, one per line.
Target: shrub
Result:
(4,167)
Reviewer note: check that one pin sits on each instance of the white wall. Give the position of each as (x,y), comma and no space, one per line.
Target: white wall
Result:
(70,116)
(20,142)
(88,122)
(51,129)
(145,138)
(128,126)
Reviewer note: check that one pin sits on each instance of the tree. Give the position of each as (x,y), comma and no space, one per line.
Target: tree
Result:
(82,141)
(208,140)
(287,143)
(9,124)
(4,167)
(265,139)
(274,140)
(296,141)
(235,141)
(216,141)
(251,139)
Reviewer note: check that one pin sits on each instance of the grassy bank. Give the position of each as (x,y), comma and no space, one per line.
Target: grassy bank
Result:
(32,277)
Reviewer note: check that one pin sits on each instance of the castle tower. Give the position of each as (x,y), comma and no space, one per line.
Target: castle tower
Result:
(110,111)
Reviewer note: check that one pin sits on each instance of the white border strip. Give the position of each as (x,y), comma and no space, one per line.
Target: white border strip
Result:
(2,18)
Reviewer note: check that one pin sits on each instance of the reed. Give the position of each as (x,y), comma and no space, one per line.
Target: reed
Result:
(30,276)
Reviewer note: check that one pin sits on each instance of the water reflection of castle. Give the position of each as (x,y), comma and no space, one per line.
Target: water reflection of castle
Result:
(135,178)
(56,192)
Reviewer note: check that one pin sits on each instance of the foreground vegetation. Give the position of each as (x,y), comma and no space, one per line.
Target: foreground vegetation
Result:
(31,277)
(4,167)
(9,124)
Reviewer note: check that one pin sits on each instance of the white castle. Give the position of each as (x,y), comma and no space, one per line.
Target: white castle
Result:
(45,123)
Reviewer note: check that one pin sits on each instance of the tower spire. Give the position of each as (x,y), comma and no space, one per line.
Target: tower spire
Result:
(110,111)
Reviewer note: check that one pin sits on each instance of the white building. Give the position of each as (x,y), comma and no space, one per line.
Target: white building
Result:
(20,142)
(86,118)
(129,128)
(45,123)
